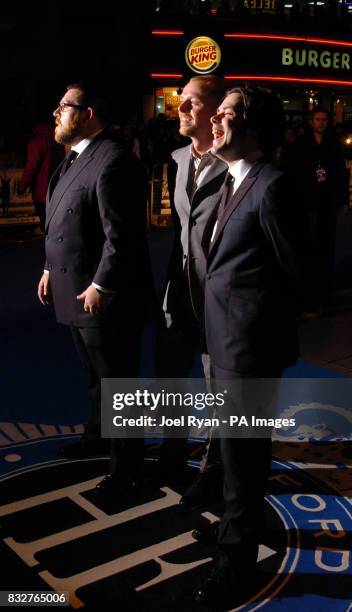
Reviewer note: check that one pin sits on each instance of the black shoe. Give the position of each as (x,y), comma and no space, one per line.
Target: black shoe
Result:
(113,486)
(223,587)
(85,448)
(205,489)
(208,534)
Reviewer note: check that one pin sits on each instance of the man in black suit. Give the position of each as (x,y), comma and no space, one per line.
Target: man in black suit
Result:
(96,270)
(249,313)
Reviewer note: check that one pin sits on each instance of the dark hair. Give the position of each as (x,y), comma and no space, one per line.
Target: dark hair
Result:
(263,113)
(93,96)
(319,109)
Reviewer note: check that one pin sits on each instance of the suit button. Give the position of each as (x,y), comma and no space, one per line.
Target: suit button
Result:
(60,239)
(70,211)
(63,269)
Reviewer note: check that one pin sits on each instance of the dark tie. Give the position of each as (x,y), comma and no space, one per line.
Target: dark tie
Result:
(228,193)
(210,230)
(68,161)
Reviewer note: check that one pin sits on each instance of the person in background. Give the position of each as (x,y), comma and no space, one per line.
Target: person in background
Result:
(283,152)
(43,156)
(319,178)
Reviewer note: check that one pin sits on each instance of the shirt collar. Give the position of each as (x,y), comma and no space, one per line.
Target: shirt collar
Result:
(205,155)
(240,168)
(83,144)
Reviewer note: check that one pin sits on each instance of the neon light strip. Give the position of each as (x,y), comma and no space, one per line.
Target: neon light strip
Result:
(159,75)
(322,41)
(254,77)
(167,32)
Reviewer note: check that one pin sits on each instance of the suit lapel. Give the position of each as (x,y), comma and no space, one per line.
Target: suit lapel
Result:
(217,169)
(58,186)
(237,198)
(53,181)
(183,165)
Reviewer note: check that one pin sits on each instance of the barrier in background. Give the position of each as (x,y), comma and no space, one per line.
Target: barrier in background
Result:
(159,203)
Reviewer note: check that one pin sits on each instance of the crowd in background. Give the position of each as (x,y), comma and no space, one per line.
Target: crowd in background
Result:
(154,141)
(314,157)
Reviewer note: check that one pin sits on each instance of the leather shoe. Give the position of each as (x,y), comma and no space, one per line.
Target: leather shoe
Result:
(223,588)
(85,448)
(207,534)
(205,489)
(111,485)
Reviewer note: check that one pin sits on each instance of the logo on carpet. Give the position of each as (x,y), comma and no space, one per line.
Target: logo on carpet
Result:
(58,533)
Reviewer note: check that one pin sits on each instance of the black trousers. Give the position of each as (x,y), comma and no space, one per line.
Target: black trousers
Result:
(246,463)
(318,270)
(178,341)
(111,351)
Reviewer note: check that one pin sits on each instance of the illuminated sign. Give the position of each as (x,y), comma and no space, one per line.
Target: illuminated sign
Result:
(258,57)
(203,55)
(317,59)
(260,5)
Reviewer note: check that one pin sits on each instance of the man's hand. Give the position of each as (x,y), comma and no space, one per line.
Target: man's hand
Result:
(94,302)
(44,289)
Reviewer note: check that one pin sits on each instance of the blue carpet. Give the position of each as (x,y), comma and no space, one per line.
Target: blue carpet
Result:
(305,560)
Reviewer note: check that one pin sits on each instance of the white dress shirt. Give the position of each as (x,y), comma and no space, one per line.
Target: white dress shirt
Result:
(239,170)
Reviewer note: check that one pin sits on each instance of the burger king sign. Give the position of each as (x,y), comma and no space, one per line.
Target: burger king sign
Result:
(203,55)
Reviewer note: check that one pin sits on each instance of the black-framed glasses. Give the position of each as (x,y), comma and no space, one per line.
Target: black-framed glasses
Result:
(65,105)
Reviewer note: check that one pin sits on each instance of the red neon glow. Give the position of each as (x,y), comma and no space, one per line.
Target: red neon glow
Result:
(167,32)
(161,75)
(320,41)
(251,77)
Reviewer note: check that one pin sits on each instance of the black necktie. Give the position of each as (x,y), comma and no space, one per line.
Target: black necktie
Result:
(210,230)
(68,162)
(228,193)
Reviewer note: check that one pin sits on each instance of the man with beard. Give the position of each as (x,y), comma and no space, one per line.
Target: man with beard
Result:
(249,319)
(195,178)
(95,244)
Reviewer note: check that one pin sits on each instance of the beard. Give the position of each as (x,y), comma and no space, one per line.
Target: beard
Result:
(67,134)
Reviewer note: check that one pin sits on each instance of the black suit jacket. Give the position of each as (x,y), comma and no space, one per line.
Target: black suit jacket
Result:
(251,270)
(95,232)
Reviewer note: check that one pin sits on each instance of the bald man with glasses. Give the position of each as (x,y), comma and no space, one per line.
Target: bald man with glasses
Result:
(95,245)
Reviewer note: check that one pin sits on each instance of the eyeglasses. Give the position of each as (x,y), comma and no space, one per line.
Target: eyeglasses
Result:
(63,106)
